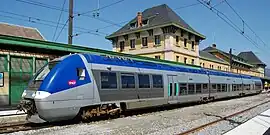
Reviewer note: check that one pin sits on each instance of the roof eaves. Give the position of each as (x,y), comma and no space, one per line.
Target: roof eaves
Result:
(243,62)
(221,62)
(154,26)
(193,32)
(137,30)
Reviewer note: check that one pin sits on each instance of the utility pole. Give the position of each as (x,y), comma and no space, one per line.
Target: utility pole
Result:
(230,59)
(70,22)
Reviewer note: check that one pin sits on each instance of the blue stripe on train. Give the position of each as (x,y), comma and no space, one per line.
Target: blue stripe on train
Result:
(91,58)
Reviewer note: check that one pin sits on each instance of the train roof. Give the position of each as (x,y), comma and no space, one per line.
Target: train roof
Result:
(124,61)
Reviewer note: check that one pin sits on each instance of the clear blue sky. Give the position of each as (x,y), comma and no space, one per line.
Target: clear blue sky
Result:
(255,13)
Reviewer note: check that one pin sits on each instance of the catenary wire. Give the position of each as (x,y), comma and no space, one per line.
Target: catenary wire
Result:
(244,22)
(59,19)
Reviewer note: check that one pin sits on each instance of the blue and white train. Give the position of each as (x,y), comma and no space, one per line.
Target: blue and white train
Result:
(88,85)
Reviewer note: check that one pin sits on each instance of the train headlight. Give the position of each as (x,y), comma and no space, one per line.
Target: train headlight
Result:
(34,94)
(41,94)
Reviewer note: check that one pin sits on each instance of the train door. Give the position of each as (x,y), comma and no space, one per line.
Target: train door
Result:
(172,87)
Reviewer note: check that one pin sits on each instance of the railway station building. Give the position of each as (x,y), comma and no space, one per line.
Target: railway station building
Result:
(158,32)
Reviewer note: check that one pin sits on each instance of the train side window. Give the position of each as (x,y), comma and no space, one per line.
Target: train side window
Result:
(81,73)
(144,81)
(198,88)
(108,80)
(219,87)
(234,87)
(157,81)
(127,80)
(191,88)
(182,89)
(214,88)
(205,88)
(247,86)
(238,87)
(223,88)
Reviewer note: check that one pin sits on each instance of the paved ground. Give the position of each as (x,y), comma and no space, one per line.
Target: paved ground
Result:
(166,122)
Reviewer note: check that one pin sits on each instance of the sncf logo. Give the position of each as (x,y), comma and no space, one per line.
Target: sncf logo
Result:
(72,82)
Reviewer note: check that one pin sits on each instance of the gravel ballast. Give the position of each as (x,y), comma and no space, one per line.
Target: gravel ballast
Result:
(168,122)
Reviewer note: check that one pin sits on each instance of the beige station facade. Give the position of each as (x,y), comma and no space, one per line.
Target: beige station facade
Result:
(158,32)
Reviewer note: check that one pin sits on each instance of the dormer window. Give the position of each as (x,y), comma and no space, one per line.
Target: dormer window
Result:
(135,24)
(132,25)
(144,22)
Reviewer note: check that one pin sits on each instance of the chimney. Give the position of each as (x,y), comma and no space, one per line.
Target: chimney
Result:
(214,45)
(139,19)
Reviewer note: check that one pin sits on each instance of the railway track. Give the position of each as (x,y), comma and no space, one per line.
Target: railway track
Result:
(24,126)
(13,127)
(196,129)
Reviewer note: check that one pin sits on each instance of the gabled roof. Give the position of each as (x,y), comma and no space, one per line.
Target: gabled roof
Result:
(209,56)
(250,57)
(20,31)
(160,15)
(235,58)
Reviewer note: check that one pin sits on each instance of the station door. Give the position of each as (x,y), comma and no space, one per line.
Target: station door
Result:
(21,71)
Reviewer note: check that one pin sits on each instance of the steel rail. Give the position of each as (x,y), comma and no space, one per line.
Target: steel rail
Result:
(219,120)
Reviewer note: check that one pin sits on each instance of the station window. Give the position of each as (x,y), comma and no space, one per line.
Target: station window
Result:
(144,81)
(157,39)
(185,60)
(185,42)
(157,81)
(108,80)
(177,58)
(127,80)
(192,61)
(122,46)
(144,41)
(132,43)
(157,57)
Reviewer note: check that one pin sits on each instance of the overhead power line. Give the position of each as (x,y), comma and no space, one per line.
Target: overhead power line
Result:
(87,31)
(61,30)
(182,7)
(230,23)
(59,19)
(35,19)
(77,13)
(45,24)
(100,8)
(244,22)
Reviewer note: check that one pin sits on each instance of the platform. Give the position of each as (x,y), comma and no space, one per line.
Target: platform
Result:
(10,112)
(258,125)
